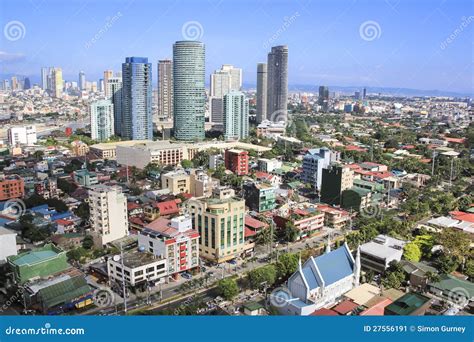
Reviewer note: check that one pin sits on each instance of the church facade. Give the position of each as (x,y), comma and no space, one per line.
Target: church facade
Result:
(320,282)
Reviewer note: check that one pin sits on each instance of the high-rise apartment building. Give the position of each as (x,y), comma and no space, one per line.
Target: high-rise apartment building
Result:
(261,92)
(220,224)
(82,80)
(107,74)
(335,179)
(44,78)
(323,98)
(108,214)
(236,116)
(57,82)
(223,81)
(114,90)
(165,89)
(188,90)
(277,84)
(102,120)
(236,76)
(136,123)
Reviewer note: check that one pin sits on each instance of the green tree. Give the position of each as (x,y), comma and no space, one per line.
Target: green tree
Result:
(455,243)
(412,252)
(83,210)
(286,265)
(187,164)
(265,236)
(228,288)
(290,232)
(266,274)
(88,242)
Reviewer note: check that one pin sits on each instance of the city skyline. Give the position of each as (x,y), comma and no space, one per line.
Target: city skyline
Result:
(362,44)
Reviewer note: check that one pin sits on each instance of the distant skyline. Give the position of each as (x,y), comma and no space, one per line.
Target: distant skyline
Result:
(379,44)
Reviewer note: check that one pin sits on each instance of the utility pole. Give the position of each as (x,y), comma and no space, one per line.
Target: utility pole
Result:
(124,287)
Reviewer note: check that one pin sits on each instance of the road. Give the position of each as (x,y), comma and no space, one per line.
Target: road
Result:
(170,292)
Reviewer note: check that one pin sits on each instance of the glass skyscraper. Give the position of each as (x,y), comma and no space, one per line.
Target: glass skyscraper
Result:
(277,84)
(188,90)
(136,99)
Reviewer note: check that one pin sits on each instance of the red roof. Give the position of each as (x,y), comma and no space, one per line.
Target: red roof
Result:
(167,208)
(254,223)
(345,307)
(355,148)
(136,220)
(132,205)
(249,232)
(63,222)
(377,309)
(324,312)
(462,216)
(455,140)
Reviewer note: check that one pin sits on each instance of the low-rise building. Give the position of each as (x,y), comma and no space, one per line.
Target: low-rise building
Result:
(377,254)
(7,244)
(410,304)
(259,197)
(177,182)
(11,187)
(138,268)
(306,221)
(237,161)
(175,240)
(85,177)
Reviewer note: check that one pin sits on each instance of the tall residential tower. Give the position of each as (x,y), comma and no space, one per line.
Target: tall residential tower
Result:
(261,92)
(165,89)
(277,84)
(188,90)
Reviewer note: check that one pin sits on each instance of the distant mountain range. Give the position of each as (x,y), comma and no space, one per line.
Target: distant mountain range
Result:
(405,92)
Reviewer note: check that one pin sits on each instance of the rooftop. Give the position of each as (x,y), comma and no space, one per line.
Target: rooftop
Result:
(407,304)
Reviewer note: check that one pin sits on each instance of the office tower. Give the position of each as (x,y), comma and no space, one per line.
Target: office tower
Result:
(357,95)
(188,90)
(26,83)
(101,85)
(57,82)
(6,84)
(15,84)
(22,135)
(107,75)
(364,93)
(108,214)
(136,99)
(220,223)
(165,89)
(82,80)
(335,179)
(314,161)
(236,116)
(236,76)
(277,84)
(44,78)
(223,81)
(102,120)
(323,99)
(114,89)
(261,92)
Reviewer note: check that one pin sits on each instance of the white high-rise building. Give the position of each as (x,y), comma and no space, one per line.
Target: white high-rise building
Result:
(165,89)
(22,135)
(102,120)
(236,116)
(223,81)
(108,214)
(113,89)
(82,80)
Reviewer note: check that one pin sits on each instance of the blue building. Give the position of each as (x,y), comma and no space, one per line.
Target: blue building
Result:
(320,282)
(314,161)
(136,123)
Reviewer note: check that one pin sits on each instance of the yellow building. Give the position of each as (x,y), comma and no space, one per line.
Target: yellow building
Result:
(177,182)
(57,86)
(220,223)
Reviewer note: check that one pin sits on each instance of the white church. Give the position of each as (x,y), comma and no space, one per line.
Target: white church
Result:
(320,282)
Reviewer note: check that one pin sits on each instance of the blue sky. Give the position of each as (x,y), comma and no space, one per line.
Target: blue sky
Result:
(326,40)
